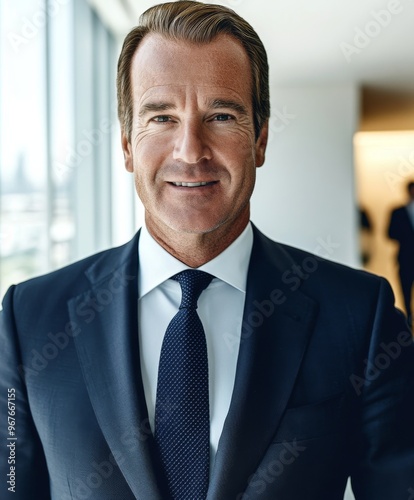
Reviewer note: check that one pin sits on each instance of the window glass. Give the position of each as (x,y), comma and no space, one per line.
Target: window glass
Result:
(23,151)
(63,158)
(57,121)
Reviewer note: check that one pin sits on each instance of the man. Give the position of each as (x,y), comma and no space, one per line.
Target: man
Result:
(310,367)
(401,229)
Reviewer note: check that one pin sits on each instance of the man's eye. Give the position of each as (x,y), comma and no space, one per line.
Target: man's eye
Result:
(223,118)
(161,119)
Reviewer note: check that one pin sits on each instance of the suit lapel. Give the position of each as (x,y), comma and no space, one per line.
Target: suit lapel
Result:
(108,352)
(273,343)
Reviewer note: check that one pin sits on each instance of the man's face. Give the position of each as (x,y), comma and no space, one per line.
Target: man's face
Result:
(193,150)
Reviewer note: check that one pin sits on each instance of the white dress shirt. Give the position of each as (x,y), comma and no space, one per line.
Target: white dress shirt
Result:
(220,308)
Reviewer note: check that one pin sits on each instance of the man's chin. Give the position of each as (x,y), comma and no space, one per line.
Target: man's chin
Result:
(197,223)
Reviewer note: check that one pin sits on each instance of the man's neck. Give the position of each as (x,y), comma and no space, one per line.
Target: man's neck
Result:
(195,249)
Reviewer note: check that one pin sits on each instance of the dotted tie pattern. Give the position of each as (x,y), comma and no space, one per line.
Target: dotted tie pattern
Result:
(182,416)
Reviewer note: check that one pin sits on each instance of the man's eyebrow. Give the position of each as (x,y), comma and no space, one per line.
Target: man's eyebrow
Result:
(155,106)
(228,104)
(214,104)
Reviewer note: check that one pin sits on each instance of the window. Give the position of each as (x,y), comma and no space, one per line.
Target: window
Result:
(57,121)
(23,152)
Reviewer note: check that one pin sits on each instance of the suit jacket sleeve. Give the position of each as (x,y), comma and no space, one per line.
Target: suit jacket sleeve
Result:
(20,443)
(384,468)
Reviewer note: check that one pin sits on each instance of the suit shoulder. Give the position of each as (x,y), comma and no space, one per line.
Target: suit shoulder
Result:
(73,278)
(320,273)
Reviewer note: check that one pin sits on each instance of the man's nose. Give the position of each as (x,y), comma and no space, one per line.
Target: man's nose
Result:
(191,145)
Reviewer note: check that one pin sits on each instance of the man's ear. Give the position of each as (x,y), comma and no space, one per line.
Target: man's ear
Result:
(127,150)
(261,144)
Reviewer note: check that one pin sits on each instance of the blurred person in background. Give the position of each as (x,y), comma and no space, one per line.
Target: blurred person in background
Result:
(401,229)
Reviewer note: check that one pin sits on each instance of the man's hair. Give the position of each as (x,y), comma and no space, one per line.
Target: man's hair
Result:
(200,23)
(410,186)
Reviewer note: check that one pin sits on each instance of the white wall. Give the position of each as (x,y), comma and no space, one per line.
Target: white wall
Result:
(305,192)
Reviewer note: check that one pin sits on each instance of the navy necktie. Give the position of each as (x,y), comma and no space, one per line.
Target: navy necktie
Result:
(182,416)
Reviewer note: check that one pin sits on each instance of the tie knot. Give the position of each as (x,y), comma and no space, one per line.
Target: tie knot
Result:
(192,283)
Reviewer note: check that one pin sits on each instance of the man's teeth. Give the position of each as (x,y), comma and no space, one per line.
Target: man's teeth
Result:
(190,184)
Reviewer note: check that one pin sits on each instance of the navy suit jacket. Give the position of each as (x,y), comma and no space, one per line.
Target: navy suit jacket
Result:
(324,386)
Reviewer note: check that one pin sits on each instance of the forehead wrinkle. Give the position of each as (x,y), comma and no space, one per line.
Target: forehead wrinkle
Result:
(167,89)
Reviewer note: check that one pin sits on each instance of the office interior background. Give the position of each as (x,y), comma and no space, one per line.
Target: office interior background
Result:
(341,130)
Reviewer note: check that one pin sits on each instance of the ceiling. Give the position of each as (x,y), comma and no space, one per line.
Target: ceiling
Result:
(307,40)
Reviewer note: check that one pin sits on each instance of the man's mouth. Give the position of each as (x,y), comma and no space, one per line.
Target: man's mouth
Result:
(193,184)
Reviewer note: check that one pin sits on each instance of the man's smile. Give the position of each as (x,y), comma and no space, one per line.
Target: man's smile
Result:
(193,184)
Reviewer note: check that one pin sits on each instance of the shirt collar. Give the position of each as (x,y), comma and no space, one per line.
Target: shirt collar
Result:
(156,265)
